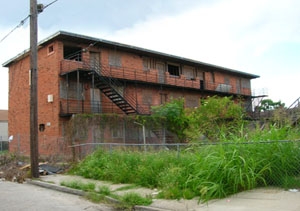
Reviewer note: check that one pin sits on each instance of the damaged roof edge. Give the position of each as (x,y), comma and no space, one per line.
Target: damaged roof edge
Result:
(125,46)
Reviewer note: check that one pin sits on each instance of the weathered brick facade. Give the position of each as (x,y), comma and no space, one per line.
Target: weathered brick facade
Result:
(69,66)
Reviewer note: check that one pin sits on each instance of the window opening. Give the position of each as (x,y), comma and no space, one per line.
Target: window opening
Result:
(50,49)
(173,70)
(72,53)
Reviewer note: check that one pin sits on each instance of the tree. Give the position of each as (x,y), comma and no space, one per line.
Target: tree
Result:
(269,105)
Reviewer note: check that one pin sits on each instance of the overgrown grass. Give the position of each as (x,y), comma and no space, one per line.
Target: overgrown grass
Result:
(127,201)
(79,185)
(132,199)
(204,171)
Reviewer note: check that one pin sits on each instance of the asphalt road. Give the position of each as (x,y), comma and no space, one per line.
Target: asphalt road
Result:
(14,197)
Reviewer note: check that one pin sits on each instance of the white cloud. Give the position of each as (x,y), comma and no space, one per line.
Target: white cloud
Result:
(232,33)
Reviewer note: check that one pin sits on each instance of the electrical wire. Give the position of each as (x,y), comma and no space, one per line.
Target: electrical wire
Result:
(49,4)
(24,20)
(19,25)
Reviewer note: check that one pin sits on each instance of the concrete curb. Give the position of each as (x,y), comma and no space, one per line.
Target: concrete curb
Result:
(56,187)
(141,208)
(82,193)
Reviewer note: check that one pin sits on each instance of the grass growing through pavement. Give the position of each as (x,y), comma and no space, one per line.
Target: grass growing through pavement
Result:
(127,201)
(79,185)
(207,172)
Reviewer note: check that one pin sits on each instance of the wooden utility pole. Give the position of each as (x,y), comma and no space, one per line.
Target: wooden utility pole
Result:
(33,91)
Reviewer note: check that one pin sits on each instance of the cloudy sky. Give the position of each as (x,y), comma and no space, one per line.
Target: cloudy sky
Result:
(255,36)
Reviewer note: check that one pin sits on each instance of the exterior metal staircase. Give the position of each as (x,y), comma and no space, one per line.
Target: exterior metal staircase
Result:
(108,86)
(293,111)
(105,86)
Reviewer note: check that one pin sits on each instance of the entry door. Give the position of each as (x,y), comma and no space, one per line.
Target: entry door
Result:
(161,72)
(95,61)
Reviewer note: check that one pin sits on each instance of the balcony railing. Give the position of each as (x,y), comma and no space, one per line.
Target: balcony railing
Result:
(69,107)
(153,76)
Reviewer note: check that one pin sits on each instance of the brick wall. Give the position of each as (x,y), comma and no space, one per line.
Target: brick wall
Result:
(128,65)
(19,98)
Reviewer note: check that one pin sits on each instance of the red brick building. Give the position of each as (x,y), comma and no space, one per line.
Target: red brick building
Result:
(80,74)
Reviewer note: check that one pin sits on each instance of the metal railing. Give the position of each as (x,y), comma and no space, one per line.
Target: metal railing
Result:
(69,107)
(152,76)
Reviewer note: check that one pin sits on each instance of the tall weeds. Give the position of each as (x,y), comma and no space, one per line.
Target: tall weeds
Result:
(204,171)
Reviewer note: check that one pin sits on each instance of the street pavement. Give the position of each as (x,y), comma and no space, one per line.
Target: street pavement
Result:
(29,197)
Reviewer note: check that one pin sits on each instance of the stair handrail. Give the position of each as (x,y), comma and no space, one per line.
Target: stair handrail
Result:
(294,103)
(106,76)
(293,111)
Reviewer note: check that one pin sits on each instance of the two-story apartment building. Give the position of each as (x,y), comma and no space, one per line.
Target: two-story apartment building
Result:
(81,74)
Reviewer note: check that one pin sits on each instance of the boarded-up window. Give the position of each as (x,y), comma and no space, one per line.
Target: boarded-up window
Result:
(71,90)
(188,72)
(191,102)
(114,59)
(227,80)
(212,77)
(246,83)
(147,97)
(238,86)
(146,63)
(200,74)
(117,131)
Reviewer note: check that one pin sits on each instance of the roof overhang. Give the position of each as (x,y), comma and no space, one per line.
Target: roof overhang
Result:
(77,38)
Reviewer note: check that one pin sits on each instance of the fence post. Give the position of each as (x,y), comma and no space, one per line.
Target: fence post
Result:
(18,146)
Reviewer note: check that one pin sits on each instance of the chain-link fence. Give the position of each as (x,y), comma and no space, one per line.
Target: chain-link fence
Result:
(266,163)
(50,147)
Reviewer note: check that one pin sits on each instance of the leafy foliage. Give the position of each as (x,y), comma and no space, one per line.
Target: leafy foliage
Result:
(268,104)
(216,116)
(242,159)
(174,114)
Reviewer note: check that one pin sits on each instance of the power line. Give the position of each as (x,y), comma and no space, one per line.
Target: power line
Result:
(49,4)
(19,25)
(41,7)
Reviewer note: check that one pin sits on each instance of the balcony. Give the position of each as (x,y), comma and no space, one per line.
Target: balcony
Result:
(154,77)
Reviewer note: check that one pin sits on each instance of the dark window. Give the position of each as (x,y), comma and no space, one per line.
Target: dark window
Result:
(173,70)
(72,53)
(50,49)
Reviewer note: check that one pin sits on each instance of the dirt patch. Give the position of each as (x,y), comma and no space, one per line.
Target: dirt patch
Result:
(10,169)
(17,169)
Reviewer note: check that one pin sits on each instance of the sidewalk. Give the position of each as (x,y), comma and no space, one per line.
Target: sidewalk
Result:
(262,199)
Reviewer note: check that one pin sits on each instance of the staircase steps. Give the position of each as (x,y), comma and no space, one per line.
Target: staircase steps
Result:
(105,85)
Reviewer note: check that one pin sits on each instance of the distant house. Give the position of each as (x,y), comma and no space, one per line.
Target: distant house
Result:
(80,74)
(3,129)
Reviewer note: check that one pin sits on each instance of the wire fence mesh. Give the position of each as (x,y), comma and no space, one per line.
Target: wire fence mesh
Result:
(270,163)
(265,163)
